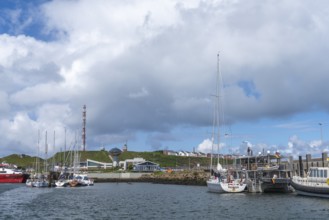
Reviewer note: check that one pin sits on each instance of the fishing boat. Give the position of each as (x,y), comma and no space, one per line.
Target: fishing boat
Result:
(316,183)
(222,180)
(11,175)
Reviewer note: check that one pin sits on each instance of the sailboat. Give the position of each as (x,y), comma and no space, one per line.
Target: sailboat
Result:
(75,177)
(63,179)
(75,180)
(222,180)
(38,179)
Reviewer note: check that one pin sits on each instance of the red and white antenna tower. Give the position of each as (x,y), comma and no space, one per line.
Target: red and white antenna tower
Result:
(84,128)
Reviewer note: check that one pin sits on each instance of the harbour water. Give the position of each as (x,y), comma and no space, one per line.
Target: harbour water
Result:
(152,201)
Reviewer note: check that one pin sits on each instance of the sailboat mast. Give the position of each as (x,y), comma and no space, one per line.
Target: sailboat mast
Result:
(46,152)
(54,150)
(64,161)
(218,107)
(37,166)
(215,128)
(84,128)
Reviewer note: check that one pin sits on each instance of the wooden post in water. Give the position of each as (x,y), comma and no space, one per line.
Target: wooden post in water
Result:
(301,168)
(308,160)
(324,158)
(50,178)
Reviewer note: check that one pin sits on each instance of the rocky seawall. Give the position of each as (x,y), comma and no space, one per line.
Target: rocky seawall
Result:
(180,178)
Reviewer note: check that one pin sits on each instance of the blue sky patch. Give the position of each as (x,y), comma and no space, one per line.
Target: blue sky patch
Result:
(23,18)
(249,88)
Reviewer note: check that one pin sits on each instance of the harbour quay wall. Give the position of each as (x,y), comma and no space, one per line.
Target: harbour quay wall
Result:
(116,177)
(178,178)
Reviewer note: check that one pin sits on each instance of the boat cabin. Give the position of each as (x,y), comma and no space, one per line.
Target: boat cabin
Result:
(318,174)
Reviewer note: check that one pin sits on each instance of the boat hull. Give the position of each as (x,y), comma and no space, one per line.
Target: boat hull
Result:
(214,186)
(13,178)
(74,183)
(311,189)
(41,184)
(61,183)
(281,185)
(233,187)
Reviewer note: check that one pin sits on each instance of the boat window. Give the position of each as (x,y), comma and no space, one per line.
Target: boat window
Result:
(312,173)
(321,173)
(325,174)
(317,173)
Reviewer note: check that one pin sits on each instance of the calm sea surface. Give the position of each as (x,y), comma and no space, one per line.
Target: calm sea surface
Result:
(152,201)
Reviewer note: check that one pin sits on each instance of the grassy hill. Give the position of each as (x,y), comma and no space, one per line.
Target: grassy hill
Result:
(101,156)
(158,157)
(22,161)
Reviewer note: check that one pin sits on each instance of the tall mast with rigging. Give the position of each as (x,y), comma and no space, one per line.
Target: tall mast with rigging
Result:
(84,119)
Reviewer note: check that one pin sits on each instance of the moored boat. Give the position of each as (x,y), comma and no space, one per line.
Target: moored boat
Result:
(61,183)
(39,183)
(316,183)
(86,180)
(74,183)
(12,175)
(214,185)
(223,185)
(233,187)
(37,180)
(80,180)
(63,180)
(226,181)
(221,180)
(234,182)
(266,173)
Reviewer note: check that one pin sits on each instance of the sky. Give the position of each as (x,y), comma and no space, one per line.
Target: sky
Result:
(146,71)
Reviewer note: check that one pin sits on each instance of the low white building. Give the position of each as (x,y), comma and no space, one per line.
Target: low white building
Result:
(134,161)
(170,153)
(97,164)
(182,153)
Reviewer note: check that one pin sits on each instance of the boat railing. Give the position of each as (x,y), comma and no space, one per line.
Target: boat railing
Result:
(311,181)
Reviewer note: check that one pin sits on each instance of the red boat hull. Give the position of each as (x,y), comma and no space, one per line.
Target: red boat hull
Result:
(13,178)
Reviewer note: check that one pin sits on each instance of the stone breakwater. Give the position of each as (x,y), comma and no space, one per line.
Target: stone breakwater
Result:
(180,178)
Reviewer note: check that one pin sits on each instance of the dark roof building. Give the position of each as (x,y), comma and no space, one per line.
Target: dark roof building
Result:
(146,166)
